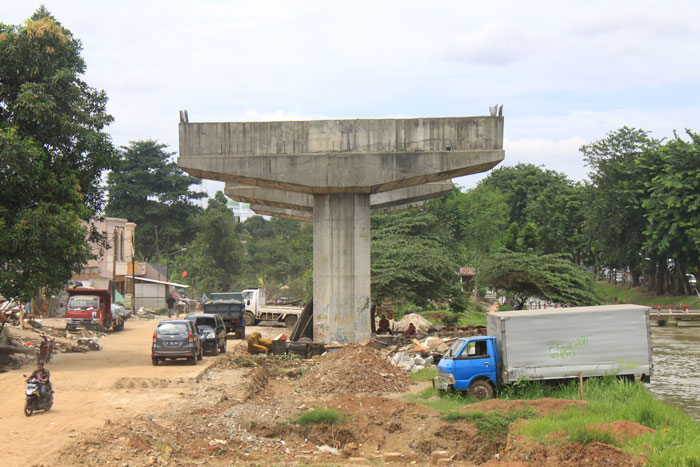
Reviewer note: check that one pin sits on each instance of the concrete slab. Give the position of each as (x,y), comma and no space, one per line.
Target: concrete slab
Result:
(341,156)
(304,202)
(339,165)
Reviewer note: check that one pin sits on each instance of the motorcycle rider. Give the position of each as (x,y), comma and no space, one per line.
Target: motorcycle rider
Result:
(43,375)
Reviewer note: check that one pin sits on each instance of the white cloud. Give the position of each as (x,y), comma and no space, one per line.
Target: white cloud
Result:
(494,43)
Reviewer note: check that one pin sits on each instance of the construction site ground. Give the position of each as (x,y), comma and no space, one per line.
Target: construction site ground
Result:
(114,408)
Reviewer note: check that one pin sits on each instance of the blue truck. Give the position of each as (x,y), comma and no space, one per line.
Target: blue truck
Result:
(553,344)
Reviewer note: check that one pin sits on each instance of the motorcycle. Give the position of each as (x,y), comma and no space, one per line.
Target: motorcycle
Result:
(46,349)
(34,400)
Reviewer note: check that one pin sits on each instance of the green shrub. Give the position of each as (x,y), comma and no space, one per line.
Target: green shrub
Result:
(493,425)
(426,374)
(590,435)
(451,319)
(319,417)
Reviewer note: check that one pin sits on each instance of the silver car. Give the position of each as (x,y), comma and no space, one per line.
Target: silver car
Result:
(176,338)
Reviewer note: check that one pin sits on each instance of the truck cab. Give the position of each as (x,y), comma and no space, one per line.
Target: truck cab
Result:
(471,364)
(93,309)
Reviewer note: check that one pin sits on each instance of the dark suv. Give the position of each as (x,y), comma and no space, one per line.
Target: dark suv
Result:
(176,338)
(212,332)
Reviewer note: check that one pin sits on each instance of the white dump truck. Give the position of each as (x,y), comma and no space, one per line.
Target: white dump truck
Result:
(550,344)
(256,310)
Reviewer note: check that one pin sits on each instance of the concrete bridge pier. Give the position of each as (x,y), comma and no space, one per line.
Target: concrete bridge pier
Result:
(341,267)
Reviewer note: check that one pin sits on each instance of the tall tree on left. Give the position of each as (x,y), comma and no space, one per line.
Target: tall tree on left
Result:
(53,151)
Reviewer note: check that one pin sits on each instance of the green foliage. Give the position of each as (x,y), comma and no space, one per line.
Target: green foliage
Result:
(214,259)
(615,217)
(411,257)
(152,191)
(319,417)
(493,425)
(585,435)
(549,277)
(673,208)
(611,293)
(451,319)
(53,150)
(426,374)
(611,399)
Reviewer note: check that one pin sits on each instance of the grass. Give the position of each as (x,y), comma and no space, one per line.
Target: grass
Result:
(426,374)
(610,400)
(494,425)
(319,417)
(610,293)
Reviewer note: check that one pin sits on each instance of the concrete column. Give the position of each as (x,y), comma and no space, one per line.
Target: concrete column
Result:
(341,267)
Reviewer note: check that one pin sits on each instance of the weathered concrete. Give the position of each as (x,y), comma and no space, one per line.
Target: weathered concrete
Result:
(341,163)
(304,202)
(341,156)
(285,213)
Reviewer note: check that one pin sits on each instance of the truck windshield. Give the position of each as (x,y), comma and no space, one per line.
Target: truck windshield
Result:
(455,347)
(83,302)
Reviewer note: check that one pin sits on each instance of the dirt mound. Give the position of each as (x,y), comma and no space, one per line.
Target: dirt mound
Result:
(569,455)
(422,325)
(354,369)
(621,429)
(541,406)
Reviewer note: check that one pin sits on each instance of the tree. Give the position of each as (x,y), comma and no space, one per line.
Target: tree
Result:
(615,221)
(411,258)
(152,191)
(672,212)
(549,277)
(522,185)
(53,151)
(214,259)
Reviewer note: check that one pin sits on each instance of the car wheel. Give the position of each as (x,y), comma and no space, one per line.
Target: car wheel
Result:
(200,355)
(154,360)
(215,350)
(193,360)
(481,390)
(222,349)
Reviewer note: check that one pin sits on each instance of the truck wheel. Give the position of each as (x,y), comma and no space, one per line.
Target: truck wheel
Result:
(249,318)
(481,390)
(290,321)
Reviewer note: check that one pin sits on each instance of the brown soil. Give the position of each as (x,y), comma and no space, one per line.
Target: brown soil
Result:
(113,408)
(541,406)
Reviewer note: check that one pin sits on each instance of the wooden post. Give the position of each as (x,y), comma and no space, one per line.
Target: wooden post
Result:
(580,383)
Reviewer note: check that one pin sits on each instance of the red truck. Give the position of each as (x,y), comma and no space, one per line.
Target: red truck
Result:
(93,309)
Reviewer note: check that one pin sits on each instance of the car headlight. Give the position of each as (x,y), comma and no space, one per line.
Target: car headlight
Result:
(211,335)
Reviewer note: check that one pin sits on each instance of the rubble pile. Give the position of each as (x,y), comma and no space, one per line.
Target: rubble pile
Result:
(354,369)
(422,325)
(410,362)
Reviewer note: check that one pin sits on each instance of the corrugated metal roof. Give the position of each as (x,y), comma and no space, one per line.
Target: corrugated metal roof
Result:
(174,284)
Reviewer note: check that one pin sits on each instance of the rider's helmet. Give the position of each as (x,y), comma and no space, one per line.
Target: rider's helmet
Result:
(40,363)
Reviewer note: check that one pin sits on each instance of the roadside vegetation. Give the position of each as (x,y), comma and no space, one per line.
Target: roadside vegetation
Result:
(611,293)
(673,442)
(319,417)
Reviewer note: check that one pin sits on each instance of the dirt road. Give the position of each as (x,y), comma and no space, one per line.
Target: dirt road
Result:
(90,388)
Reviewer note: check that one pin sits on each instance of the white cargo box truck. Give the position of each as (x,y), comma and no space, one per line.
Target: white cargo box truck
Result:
(550,344)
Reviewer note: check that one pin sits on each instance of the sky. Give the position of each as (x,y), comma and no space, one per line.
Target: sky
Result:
(566,72)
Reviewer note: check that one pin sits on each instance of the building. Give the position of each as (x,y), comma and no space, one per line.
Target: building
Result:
(111,267)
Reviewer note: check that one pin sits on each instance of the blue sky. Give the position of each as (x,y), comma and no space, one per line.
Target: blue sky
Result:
(567,72)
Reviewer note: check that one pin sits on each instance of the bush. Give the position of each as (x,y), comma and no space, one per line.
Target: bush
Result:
(450,319)
(459,304)
(319,417)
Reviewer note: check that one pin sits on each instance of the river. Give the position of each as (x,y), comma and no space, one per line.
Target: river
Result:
(676,377)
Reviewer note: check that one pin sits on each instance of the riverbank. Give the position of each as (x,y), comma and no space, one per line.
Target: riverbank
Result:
(613,412)
(613,294)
